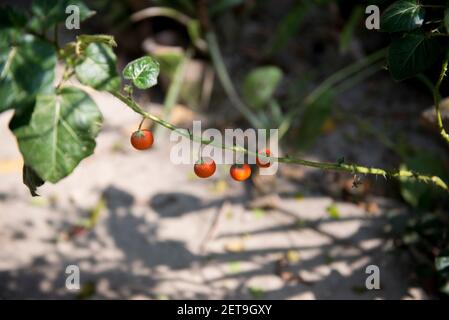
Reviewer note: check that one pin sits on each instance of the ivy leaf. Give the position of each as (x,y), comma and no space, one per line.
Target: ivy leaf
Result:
(58,132)
(26,69)
(411,54)
(31,180)
(97,68)
(402,15)
(260,85)
(48,13)
(143,72)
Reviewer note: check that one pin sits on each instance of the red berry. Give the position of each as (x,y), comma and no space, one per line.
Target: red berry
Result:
(240,172)
(142,139)
(205,167)
(264,163)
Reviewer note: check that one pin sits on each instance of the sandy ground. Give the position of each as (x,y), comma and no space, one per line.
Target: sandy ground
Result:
(150,239)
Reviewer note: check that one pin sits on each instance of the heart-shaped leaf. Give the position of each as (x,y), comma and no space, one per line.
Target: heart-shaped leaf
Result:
(143,72)
(411,54)
(97,67)
(260,84)
(58,133)
(402,15)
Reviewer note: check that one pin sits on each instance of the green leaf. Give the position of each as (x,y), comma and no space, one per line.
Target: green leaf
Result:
(441,263)
(313,119)
(411,54)
(58,133)
(222,5)
(260,85)
(289,25)
(402,15)
(97,68)
(333,211)
(143,72)
(11,17)
(26,69)
(31,180)
(48,13)
(446,18)
(420,195)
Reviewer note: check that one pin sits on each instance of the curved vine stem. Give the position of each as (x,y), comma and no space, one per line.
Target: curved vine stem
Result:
(344,167)
(437,99)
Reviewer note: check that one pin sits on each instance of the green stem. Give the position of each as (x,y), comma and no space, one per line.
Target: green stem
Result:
(351,168)
(437,100)
(226,81)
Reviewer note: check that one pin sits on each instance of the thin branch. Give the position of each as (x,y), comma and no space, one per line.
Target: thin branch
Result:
(437,100)
(226,81)
(344,167)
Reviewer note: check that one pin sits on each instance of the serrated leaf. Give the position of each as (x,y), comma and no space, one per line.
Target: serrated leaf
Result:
(26,69)
(31,180)
(48,13)
(58,133)
(411,54)
(97,68)
(402,15)
(143,72)
(260,85)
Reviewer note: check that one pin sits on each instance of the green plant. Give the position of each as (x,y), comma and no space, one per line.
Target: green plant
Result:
(420,41)
(56,126)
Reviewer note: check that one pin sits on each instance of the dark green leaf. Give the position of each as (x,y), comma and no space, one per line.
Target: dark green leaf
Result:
(48,13)
(11,17)
(446,18)
(260,85)
(143,72)
(97,68)
(221,5)
(59,133)
(411,54)
(441,263)
(31,180)
(289,26)
(402,15)
(418,194)
(313,119)
(26,69)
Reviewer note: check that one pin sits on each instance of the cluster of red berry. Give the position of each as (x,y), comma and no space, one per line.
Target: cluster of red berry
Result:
(205,167)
